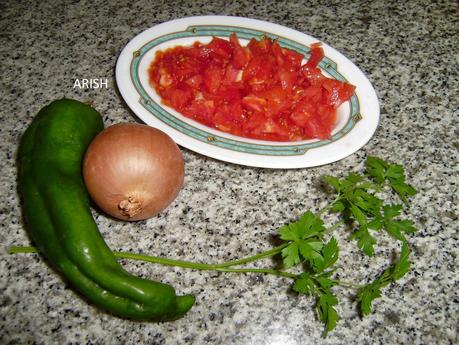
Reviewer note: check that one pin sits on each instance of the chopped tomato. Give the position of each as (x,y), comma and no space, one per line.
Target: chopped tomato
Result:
(241,55)
(338,91)
(317,53)
(287,79)
(228,93)
(254,103)
(195,81)
(261,91)
(178,98)
(260,47)
(232,74)
(292,59)
(213,77)
(221,47)
(276,100)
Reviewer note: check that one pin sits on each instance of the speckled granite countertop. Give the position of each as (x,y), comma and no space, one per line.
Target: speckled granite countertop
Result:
(408,49)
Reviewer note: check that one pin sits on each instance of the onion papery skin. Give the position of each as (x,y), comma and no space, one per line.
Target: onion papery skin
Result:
(133,171)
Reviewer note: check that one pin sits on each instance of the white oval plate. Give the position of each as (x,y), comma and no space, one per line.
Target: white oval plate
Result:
(357,118)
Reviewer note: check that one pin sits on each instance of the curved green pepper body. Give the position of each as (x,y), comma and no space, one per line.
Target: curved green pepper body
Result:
(57,214)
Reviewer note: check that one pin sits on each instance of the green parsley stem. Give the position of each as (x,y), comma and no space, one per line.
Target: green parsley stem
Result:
(200,266)
(187,264)
(266,254)
(22,249)
(347,284)
(329,206)
(334,226)
(223,267)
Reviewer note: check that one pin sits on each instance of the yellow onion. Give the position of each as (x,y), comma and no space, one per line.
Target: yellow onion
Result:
(133,171)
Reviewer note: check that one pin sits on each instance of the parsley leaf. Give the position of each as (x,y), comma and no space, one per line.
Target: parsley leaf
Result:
(403,189)
(320,288)
(396,228)
(368,293)
(402,266)
(311,251)
(366,296)
(327,313)
(333,181)
(393,174)
(290,255)
(365,241)
(304,284)
(330,253)
(306,244)
(376,167)
(358,202)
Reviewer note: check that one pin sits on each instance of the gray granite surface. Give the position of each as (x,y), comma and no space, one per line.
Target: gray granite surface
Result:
(408,49)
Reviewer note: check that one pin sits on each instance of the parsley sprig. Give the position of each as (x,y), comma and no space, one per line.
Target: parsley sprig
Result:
(367,293)
(310,254)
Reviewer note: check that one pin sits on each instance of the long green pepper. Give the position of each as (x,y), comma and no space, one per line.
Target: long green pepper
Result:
(57,214)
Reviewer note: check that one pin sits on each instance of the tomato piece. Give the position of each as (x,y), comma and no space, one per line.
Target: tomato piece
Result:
(277,100)
(224,121)
(252,68)
(288,59)
(255,119)
(213,77)
(221,47)
(293,59)
(237,112)
(178,98)
(315,129)
(201,111)
(198,52)
(338,91)
(254,103)
(276,51)
(260,47)
(259,72)
(301,114)
(241,55)
(232,111)
(232,74)
(194,81)
(327,116)
(317,53)
(316,119)
(312,94)
(228,93)
(259,124)
(234,40)
(312,75)
(287,79)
